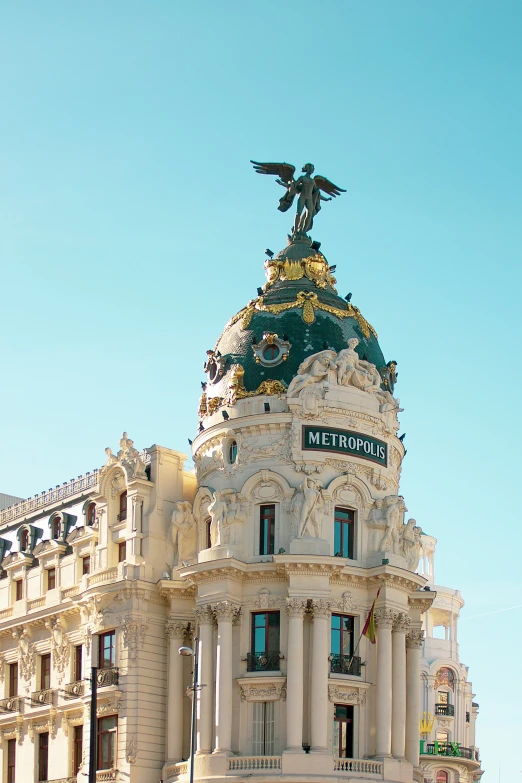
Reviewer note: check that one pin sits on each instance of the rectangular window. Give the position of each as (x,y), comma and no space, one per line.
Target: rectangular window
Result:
(266,530)
(43,756)
(45,674)
(122,551)
(19,589)
(77,749)
(343,731)
(443,697)
(107,650)
(51,578)
(263,728)
(78,674)
(208,530)
(341,635)
(107,742)
(13,680)
(86,565)
(11,760)
(265,632)
(344,523)
(123,507)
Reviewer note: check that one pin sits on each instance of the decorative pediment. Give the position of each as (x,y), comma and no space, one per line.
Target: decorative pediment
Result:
(262,688)
(81,535)
(50,548)
(16,560)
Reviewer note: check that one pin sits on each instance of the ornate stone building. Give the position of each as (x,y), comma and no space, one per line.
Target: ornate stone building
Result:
(270,554)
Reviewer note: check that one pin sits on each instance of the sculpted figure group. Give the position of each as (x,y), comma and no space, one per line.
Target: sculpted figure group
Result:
(227,515)
(388,533)
(345,368)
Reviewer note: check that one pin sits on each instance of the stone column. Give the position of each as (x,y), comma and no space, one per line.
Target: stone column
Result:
(319,683)
(175,630)
(205,621)
(384,619)
(225,613)
(413,693)
(398,739)
(294,675)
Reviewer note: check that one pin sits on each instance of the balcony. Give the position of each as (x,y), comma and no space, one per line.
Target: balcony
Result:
(362,766)
(263,662)
(106,677)
(74,690)
(40,698)
(445,709)
(451,749)
(10,705)
(255,764)
(345,664)
(122,516)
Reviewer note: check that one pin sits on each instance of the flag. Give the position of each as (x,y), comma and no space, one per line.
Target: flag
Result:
(369,625)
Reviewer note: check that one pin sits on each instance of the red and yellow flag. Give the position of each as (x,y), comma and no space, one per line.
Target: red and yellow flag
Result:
(369,625)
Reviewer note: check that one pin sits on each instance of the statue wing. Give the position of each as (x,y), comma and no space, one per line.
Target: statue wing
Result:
(285,171)
(327,186)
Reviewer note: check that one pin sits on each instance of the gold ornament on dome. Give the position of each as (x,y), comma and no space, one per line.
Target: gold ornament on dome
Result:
(308,302)
(213,404)
(315,268)
(237,391)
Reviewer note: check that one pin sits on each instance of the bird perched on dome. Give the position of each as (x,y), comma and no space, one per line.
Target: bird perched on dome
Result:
(307,188)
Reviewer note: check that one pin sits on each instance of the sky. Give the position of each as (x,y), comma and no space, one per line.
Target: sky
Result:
(132,227)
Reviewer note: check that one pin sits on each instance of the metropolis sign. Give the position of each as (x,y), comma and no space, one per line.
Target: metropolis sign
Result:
(345,442)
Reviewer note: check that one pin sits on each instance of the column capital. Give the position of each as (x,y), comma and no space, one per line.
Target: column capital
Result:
(204,615)
(226,611)
(384,618)
(402,623)
(414,639)
(321,608)
(296,607)
(176,629)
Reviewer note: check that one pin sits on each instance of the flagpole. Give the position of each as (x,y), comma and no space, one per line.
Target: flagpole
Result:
(362,632)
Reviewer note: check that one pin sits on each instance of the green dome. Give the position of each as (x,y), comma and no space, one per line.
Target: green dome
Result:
(301,306)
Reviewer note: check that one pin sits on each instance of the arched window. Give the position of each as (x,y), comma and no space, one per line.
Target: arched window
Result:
(232,452)
(442,776)
(123,507)
(91,514)
(24,541)
(56,527)
(271,352)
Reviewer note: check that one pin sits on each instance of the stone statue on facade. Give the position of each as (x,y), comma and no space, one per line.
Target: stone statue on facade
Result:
(307,189)
(314,369)
(354,371)
(183,532)
(411,544)
(227,516)
(308,507)
(128,457)
(391,541)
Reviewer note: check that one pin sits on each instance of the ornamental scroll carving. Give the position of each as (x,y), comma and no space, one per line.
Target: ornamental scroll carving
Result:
(270,691)
(133,634)
(131,749)
(60,646)
(224,611)
(321,608)
(402,623)
(385,618)
(26,652)
(176,629)
(345,695)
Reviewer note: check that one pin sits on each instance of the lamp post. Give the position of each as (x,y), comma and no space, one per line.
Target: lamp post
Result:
(186,651)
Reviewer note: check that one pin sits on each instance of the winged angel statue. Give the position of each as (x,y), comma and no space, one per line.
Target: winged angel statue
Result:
(307,188)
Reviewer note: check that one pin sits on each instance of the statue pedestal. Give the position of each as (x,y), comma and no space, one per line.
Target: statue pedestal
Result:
(308,545)
(219,552)
(376,558)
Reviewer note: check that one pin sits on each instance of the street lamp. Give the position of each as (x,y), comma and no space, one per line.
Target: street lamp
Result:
(186,651)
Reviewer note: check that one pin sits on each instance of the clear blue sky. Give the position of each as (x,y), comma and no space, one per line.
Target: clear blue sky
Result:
(132,227)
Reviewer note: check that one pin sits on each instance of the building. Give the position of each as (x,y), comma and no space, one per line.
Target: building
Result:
(270,554)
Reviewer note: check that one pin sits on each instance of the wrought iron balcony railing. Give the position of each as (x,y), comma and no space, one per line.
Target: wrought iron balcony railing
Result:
(39,698)
(73,690)
(444,709)
(263,662)
(345,664)
(10,705)
(122,516)
(106,677)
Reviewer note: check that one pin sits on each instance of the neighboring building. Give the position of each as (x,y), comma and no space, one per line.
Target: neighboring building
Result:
(270,553)
(8,500)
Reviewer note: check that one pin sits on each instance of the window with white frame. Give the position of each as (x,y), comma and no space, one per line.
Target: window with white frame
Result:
(263,728)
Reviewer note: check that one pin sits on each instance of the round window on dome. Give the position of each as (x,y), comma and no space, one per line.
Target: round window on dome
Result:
(270,353)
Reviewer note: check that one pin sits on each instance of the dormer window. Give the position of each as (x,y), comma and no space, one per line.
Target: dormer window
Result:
(24,541)
(91,514)
(56,528)
(123,507)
